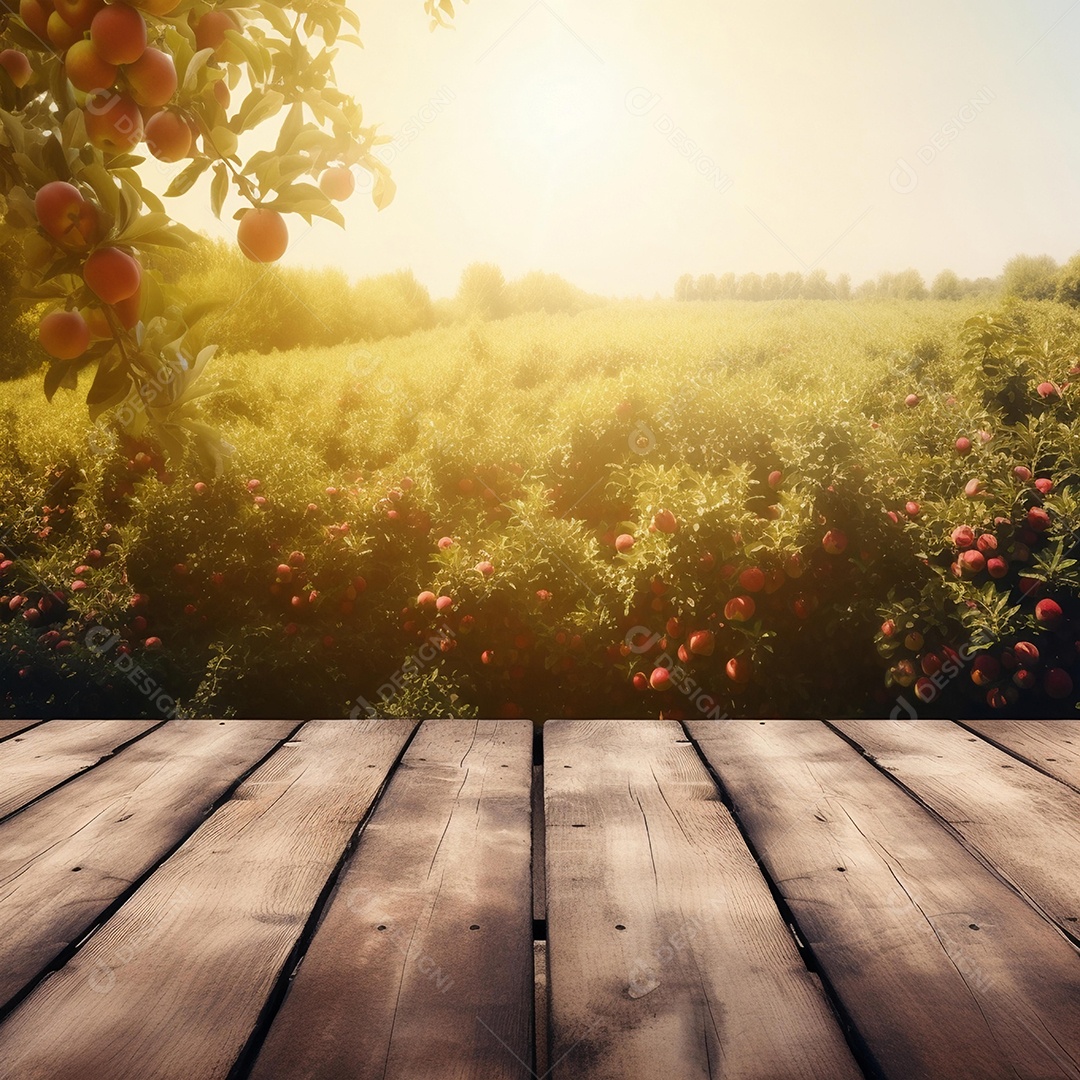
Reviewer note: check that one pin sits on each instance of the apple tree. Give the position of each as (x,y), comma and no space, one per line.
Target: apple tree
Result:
(90,91)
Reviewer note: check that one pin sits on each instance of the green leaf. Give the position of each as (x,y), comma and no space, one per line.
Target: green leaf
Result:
(290,128)
(184,180)
(258,107)
(13,128)
(219,189)
(256,56)
(277,18)
(110,386)
(383,191)
(60,374)
(195,65)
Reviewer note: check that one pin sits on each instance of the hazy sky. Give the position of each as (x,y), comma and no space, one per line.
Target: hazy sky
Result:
(621,144)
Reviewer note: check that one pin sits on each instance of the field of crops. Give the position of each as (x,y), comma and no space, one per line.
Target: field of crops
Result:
(699,509)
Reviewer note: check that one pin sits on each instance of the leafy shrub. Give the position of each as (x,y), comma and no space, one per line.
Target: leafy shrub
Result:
(816,465)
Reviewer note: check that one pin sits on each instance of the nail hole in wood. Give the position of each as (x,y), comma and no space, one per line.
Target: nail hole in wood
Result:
(76,869)
(842,869)
(619,926)
(381,926)
(973,926)
(475,926)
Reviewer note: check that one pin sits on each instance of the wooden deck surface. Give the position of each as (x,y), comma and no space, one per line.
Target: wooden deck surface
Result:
(633,900)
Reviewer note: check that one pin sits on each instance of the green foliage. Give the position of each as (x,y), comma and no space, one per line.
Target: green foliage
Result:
(18,353)
(274,68)
(482,292)
(257,311)
(1030,277)
(534,442)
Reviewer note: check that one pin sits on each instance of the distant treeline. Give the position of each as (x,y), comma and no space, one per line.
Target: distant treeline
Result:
(905,285)
(261,309)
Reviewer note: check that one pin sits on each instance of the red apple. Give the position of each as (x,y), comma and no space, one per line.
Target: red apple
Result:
(665,521)
(972,562)
(1026,653)
(740,609)
(963,536)
(1048,612)
(739,670)
(17,65)
(930,663)
(1038,519)
(925,690)
(834,542)
(660,679)
(1025,678)
(1057,683)
(985,669)
(752,580)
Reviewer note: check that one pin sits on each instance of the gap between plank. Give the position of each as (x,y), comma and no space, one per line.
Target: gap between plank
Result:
(82,772)
(1073,939)
(107,913)
(19,732)
(245,1060)
(1016,755)
(864,1058)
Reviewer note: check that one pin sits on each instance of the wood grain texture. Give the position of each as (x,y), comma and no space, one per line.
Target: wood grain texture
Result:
(667,956)
(1051,745)
(56,751)
(171,986)
(1024,824)
(422,965)
(65,859)
(9,728)
(943,969)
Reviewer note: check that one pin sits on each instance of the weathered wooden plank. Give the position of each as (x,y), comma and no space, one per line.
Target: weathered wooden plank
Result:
(422,965)
(541,1009)
(1051,745)
(942,968)
(171,985)
(8,728)
(57,751)
(65,859)
(1025,824)
(667,956)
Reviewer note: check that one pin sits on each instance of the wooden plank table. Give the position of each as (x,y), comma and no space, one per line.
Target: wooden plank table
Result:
(392,899)
(46,756)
